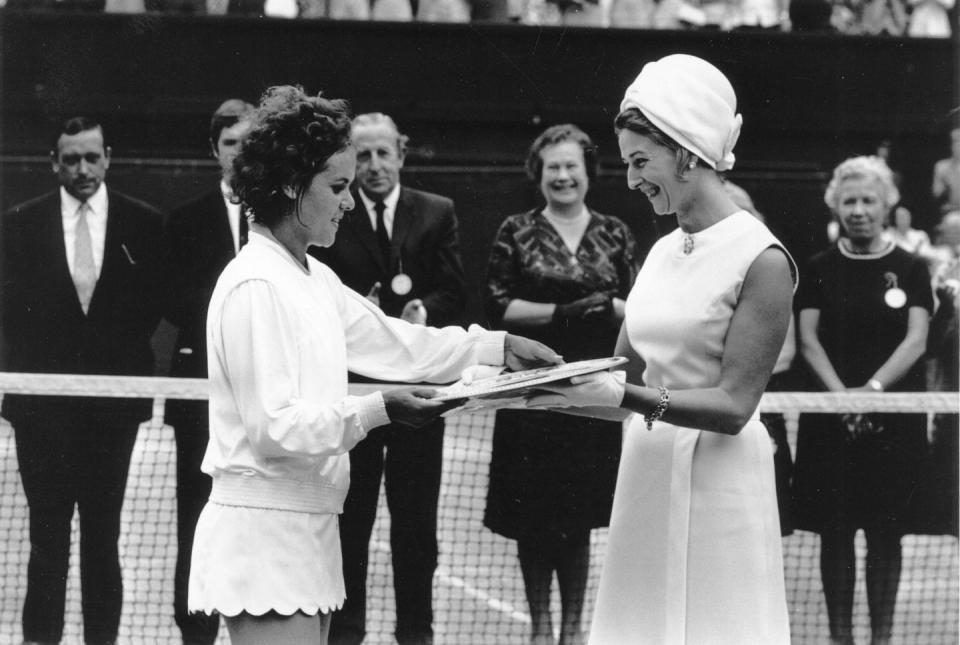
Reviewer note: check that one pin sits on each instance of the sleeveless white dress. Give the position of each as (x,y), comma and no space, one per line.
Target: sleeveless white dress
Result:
(694,552)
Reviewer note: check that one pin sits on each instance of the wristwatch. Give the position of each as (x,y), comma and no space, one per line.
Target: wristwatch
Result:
(875,385)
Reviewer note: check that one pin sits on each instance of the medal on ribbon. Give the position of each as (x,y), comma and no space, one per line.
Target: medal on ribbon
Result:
(401,284)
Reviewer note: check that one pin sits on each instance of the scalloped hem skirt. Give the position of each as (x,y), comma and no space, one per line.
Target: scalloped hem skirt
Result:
(257,560)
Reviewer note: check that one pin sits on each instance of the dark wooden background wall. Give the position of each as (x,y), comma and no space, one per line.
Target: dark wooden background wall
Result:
(472,97)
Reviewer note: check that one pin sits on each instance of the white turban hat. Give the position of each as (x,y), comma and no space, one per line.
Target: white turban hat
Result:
(692,102)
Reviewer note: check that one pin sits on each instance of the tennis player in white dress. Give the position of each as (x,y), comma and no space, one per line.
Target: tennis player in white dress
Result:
(694,553)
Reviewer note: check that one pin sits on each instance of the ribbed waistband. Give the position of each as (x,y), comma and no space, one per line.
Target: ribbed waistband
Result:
(279,494)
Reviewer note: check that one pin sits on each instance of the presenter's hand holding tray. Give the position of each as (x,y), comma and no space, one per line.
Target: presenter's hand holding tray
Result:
(511,389)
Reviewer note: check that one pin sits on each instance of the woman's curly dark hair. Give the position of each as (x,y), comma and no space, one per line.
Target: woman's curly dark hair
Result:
(292,137)
(555,135)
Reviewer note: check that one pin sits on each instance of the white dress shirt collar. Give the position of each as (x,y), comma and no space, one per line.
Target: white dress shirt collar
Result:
(97,201)
(390,209)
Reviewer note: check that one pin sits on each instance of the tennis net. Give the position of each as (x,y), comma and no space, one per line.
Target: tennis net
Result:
(478,589)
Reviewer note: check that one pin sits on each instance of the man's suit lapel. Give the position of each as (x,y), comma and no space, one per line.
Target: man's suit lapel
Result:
(220,224)
(366,236)
(61,284)
(402,223)
(116,251)
(53,238)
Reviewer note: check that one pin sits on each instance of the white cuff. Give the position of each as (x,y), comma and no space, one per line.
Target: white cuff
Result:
(490,347)
(372,411)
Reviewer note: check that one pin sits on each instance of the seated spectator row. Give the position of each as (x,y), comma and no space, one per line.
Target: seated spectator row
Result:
(914,18)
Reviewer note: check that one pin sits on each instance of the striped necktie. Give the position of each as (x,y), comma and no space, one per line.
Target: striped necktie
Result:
(84,271)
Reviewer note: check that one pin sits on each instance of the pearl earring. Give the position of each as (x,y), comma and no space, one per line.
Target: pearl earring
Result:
(692,164)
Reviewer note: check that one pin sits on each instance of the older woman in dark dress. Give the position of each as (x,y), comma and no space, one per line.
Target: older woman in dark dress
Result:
(560,273)
(864,307)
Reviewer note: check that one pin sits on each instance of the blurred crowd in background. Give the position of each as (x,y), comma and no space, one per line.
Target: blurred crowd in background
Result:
(913,18)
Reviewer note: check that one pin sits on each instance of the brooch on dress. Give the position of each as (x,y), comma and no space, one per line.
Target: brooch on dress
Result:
(895,297)
(687,244)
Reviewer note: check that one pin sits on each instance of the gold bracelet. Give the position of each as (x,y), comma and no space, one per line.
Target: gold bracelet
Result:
(662,405)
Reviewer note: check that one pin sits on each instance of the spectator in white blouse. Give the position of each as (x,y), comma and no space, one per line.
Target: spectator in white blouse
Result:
(282,331)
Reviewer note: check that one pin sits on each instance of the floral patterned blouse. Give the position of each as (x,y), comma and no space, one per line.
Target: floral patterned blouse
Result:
(530,261)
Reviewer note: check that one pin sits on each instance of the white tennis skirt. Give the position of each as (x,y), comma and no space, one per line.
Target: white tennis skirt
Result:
(257,560)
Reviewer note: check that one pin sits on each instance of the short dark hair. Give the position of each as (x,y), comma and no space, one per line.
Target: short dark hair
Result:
(634,120)
(76,125)
(558,134)
(292,138)
(227,115)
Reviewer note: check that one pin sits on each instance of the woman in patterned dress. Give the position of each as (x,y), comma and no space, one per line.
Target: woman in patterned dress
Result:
(559,273)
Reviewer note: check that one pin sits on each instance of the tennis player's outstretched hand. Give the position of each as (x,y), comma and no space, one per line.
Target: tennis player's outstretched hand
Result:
(521,353)
(414,406)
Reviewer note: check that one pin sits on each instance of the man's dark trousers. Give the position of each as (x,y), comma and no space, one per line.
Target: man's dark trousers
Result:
(72,454)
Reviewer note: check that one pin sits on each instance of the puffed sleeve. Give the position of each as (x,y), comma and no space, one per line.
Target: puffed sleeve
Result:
(263,366)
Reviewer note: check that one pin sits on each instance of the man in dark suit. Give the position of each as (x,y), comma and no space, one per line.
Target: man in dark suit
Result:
(199,239)
(80,296)
(400,247)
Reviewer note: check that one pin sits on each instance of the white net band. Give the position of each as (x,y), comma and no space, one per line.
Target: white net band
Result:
(150,387)
(479,595)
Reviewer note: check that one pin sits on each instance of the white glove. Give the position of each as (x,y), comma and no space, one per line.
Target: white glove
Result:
(414,312)
(599,389)
(468,377)
(476,373)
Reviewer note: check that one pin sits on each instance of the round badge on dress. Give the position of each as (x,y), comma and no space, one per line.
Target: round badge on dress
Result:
(895,298)
(401,284)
